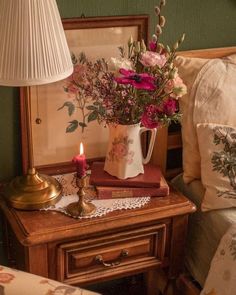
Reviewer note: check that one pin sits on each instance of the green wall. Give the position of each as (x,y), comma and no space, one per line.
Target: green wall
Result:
(207,23)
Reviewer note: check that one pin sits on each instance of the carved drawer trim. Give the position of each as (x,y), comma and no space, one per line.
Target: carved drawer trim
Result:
(112,255)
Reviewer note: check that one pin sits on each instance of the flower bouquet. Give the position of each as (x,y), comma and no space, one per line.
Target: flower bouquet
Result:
(142,85)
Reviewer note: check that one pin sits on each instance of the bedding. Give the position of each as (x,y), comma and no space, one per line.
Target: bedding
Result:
(209,99)
(16,282)
(222,274)
(208,179)
(188,69)
(205,230)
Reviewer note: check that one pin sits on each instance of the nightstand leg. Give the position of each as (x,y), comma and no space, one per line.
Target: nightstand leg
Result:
(156,282)
(170,288)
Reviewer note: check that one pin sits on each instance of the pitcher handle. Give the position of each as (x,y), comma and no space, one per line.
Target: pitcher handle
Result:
(151,143)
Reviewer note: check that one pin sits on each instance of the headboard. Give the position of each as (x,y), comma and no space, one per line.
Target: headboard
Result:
(168,144)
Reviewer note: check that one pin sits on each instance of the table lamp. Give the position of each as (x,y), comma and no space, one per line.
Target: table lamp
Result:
(33,51)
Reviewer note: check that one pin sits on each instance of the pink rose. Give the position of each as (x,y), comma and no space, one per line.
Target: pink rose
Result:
(78,77)
(120,150)
(176,87)
(71,88)
(78,72)
(152,59)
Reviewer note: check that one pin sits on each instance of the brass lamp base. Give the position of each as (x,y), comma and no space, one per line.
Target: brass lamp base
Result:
(80,208)
(32,191)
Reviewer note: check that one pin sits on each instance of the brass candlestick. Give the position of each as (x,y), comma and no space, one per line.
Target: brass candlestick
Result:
(80,208)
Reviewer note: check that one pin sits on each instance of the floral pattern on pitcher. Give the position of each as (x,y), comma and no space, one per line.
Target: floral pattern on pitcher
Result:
(120,150)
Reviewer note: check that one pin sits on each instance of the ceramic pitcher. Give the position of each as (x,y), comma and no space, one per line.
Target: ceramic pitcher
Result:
(124,158)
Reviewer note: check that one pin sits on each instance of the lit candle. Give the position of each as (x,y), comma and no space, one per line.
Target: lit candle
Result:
(80,162)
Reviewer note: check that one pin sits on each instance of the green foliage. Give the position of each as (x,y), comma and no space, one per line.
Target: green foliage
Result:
(93,116)
(73,125)
(224,161)
(70,107)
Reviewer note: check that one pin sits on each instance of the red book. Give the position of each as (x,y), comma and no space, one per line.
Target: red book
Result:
(150,178)
(107,192)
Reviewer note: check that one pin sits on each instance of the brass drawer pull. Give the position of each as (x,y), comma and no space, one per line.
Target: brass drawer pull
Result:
(99,259)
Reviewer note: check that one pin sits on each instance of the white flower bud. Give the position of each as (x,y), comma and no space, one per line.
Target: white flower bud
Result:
(154,38)
(168,48)
(173,73)
(158,30)
(143,46)
(162,21)
(176,45)
(163,2)
(182,38)
(160,47)
(157,10)
(130,41)
(137,47)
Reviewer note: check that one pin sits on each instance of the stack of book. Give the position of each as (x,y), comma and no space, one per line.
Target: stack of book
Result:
(151,183)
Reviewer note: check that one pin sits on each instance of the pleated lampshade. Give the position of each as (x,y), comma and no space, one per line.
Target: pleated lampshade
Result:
(33,47)
(33,51)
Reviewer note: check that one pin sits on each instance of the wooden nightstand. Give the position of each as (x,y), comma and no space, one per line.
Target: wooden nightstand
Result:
(89,251)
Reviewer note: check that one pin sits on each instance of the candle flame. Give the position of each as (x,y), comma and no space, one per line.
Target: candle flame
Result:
(81,149)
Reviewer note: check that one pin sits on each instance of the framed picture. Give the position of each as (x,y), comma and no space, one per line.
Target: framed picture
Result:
(49,138)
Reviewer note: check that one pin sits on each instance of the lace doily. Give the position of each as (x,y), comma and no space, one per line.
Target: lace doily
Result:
(69,195)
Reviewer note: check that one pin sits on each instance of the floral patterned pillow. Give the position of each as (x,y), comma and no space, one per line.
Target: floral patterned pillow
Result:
(217,145)
(15,282)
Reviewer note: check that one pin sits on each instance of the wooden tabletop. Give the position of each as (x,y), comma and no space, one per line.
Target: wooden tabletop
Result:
(36,227)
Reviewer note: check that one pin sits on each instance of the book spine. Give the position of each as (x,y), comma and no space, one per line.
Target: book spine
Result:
(127,184)
(116,193)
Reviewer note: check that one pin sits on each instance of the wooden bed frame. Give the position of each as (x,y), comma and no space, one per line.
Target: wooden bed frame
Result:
(168,141)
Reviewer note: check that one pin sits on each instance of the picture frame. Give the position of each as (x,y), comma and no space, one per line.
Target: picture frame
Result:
(45,143)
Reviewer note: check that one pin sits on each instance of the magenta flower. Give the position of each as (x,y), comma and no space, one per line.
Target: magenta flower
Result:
(139,81)
(149,117)
(148,121)
(153,46)
(152,59)
(170,106)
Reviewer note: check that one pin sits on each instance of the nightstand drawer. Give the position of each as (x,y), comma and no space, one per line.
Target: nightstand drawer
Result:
(112,255)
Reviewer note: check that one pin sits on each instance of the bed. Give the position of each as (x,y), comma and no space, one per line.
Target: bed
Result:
(16,282)
(209,75)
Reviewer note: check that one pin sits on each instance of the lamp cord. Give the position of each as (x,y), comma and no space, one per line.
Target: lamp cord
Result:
(38,120)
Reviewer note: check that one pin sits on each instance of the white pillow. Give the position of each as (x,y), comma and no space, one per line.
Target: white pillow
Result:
(231,58)
(189,69)
(209,100)
(217,145)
